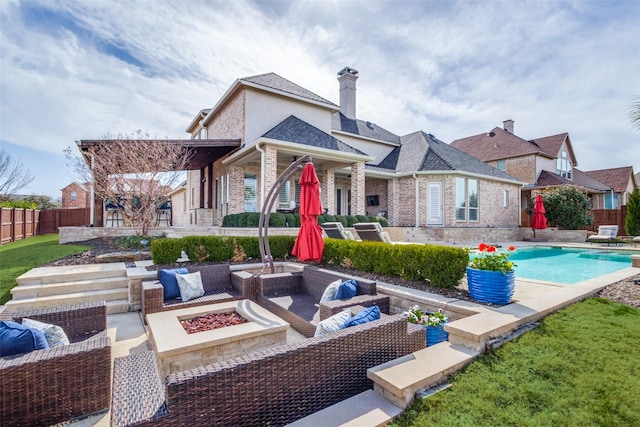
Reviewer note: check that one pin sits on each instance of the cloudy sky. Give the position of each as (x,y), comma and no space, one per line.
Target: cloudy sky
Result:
(83,69)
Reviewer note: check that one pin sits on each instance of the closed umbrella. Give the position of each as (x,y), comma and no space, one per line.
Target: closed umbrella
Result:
(309,244)
(539,220)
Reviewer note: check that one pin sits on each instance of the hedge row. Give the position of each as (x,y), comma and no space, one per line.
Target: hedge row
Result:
(218,248)
(277,219)
(442,266)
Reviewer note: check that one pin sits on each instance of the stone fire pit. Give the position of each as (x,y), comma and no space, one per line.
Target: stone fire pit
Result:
(176,350)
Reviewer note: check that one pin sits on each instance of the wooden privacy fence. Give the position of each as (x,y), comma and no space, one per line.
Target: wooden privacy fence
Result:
(18,224)
(52,220)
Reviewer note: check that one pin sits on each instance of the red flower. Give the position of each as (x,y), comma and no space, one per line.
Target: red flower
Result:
(491,249)
(482,247)
(512,248)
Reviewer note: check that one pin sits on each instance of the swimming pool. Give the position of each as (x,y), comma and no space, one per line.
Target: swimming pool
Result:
(567,265)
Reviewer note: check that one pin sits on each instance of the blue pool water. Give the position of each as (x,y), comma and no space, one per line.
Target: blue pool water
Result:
(567,265)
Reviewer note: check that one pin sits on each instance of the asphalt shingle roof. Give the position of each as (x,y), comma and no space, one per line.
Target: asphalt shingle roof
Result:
(424,152)
(616,178)
(292,129)
(497,144)
(274,81)
(359,127)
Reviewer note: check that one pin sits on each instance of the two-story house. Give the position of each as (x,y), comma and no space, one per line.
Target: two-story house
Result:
(540,163)
(267,121)
(76,195)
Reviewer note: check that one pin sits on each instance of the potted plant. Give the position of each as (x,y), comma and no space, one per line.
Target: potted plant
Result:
(491,276)
(433,321)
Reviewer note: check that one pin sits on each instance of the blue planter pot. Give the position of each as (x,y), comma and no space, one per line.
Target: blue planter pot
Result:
(436,334)
(491,286)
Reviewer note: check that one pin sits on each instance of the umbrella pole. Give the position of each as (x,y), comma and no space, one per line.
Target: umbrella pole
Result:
(265,213)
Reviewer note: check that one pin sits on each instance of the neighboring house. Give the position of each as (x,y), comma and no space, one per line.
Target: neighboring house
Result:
(621,182)
(265,122)
(540,163)
(76,195)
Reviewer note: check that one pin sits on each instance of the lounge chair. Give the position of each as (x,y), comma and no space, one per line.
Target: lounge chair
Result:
(606,234)
(335,230)
(636,241)
(372,231)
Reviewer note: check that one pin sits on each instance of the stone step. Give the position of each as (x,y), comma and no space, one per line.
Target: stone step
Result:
(118,306)
(44,275)
(66,299)
(398,380)
(42,290)
(367,409)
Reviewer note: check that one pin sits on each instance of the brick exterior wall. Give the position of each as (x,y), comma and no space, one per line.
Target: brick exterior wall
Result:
(82,199)
(521,168)
(377,187)
(327,188)
(229,120)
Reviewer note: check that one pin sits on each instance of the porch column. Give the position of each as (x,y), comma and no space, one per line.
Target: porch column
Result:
(270,173)
(236,189)
(357,189)
(328,188)
(392,201)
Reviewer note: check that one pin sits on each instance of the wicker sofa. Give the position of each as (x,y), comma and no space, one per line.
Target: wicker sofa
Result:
(272,387)
(295,297)
(49,386)
(220,285)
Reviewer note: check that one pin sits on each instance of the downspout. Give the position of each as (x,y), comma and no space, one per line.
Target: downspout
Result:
(417,205)
(261,174)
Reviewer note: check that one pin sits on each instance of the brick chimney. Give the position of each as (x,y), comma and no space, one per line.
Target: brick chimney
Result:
(347,78)
(508,125)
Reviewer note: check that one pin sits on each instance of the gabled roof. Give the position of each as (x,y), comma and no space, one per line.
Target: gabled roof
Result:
(583,180)
(497,144)
(550,179)
(423,152)
(292,129)
(274,82)
(552,145)
(340,122)
(616,178)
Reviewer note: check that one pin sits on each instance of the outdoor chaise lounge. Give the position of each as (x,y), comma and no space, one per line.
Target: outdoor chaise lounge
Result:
(372,231)
(335,230)
(606,234)
(295,297)
(636,241)
(272,387)
(220,285)
(49,386)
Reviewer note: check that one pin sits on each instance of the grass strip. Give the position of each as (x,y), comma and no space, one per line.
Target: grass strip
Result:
(579,367)
(17,258)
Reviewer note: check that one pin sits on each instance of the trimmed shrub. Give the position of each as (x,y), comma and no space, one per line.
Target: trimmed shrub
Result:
(166,251)
(351,220)
(442,266)
(383,221)
(289,220)
(321,219)
(329,218)
(362,218)
(343,220)
(253,219)
(276,219)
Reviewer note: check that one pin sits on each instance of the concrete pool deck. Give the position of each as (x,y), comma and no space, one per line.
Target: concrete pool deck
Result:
(471,332)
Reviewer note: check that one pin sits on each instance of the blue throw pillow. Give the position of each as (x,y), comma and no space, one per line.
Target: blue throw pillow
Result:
(346,290)
(16,339)
(366,315)
(170,282)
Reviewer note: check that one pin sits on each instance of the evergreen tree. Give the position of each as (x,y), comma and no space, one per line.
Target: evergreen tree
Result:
(632,223)
(568,207)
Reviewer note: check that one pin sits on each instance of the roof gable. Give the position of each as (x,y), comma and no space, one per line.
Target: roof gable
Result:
(616,178)
(272,81)
(495,145)
(292,129)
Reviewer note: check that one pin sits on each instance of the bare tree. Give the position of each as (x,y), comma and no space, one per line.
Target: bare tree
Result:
(13,175)
(133,173)
(635,114)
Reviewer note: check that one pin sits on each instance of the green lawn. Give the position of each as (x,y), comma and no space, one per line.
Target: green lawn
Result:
(19,257)
(579,367)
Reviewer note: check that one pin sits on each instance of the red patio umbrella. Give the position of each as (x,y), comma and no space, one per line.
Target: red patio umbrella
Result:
(539,220)
(309,244)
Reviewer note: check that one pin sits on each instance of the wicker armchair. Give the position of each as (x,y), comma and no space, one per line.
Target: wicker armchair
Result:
(220,285)
(295,297)
(48,386)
